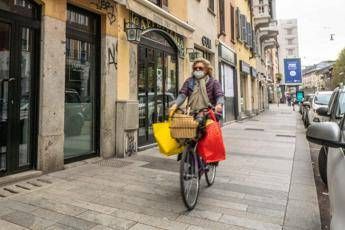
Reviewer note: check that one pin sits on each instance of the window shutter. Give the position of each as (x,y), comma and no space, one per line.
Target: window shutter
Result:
(222,16)
(243,28)
(238,19)
(254,42)
(232,22)
(249,35)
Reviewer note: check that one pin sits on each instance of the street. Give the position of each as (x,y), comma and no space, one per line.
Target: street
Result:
(267,182)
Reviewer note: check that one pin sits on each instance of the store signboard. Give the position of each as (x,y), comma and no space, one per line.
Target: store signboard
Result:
(292,71)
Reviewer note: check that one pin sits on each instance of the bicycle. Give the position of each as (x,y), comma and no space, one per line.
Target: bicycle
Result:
(192,167)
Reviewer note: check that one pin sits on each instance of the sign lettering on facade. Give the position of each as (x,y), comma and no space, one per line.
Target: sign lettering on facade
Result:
(292,70)
(244,67)
(146,24)
(206,42)
(227,54)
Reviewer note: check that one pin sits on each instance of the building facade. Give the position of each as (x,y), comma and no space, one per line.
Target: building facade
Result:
(288,42)
(76,86)
(318,77)
(266,32)
(245,50)
(84,78)
(227,59)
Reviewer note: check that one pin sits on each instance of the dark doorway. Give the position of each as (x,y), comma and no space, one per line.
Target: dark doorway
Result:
(157,82)
(19,74)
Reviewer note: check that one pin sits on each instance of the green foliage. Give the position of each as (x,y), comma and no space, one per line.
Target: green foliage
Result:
(339,70)
(279,77)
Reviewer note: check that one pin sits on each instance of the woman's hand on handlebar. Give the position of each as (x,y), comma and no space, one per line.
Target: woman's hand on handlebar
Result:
(172,110)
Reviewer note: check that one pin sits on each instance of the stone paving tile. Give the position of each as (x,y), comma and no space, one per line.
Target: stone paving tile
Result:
(304,215)
(107,220)
(150,220)
(208,224)
(143,227)
(58,207)
(10,226)
(205,214)
(247,223)
(27,220)
(77,223)
(101,227)
(60,227)
(16,205)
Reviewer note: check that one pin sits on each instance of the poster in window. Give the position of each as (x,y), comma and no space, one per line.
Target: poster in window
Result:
(228,79)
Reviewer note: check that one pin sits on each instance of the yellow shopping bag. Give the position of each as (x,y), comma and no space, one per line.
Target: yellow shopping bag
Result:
(168,146)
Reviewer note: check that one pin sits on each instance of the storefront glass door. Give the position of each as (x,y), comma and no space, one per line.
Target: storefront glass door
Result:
(227,79)
(81,83)
(18,78)
(157,87)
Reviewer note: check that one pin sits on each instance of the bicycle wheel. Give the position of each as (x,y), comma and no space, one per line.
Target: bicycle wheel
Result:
(210,174)
(189,177)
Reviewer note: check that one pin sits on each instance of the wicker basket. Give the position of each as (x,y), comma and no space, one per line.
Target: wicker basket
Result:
(183,126)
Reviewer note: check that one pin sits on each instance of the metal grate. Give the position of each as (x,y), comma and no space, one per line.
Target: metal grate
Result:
(283,135)
(254,129)
(114,163)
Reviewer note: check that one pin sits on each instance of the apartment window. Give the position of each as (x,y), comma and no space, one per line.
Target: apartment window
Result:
(232,23)
(290,41)
(211,5)
(261,9)
(261,2)
(160,3)
(290,51)
(221,17)
(289,31)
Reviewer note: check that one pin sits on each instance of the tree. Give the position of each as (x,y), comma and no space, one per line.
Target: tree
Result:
(339,70)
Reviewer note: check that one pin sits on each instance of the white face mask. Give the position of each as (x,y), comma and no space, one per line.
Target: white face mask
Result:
(198,74)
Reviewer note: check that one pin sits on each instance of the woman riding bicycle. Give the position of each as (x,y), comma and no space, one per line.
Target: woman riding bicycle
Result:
(201,89)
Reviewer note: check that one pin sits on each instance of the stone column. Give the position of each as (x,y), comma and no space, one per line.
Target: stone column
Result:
(50,152)
(108,95)
(249,94)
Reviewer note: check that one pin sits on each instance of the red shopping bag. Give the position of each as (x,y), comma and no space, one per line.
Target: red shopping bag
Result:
(211,146)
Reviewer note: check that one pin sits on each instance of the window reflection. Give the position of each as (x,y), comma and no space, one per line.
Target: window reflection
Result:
(80,86)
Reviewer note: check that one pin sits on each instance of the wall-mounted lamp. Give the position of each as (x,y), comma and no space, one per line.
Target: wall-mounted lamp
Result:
(133,32)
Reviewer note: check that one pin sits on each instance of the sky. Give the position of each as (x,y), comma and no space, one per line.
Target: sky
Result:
(317,20)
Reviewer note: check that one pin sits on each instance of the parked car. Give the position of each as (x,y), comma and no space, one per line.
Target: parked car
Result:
(306,106)
(320,99)
(332,136)
(334,112)
(302,105)
(74,118)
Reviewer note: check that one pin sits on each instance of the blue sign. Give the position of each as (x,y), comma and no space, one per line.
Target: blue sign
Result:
(292,70)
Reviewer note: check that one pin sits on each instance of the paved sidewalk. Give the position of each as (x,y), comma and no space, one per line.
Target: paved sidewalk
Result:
(255,188)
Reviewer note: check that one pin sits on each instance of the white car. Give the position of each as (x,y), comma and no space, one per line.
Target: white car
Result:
(321,99)
(331,135)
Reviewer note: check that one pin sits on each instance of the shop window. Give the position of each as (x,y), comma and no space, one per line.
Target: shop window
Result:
(22,7)
(232,23)
(222,17)
(81,83)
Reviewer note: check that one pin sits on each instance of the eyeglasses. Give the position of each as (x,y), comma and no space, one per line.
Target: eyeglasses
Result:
(198,68)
